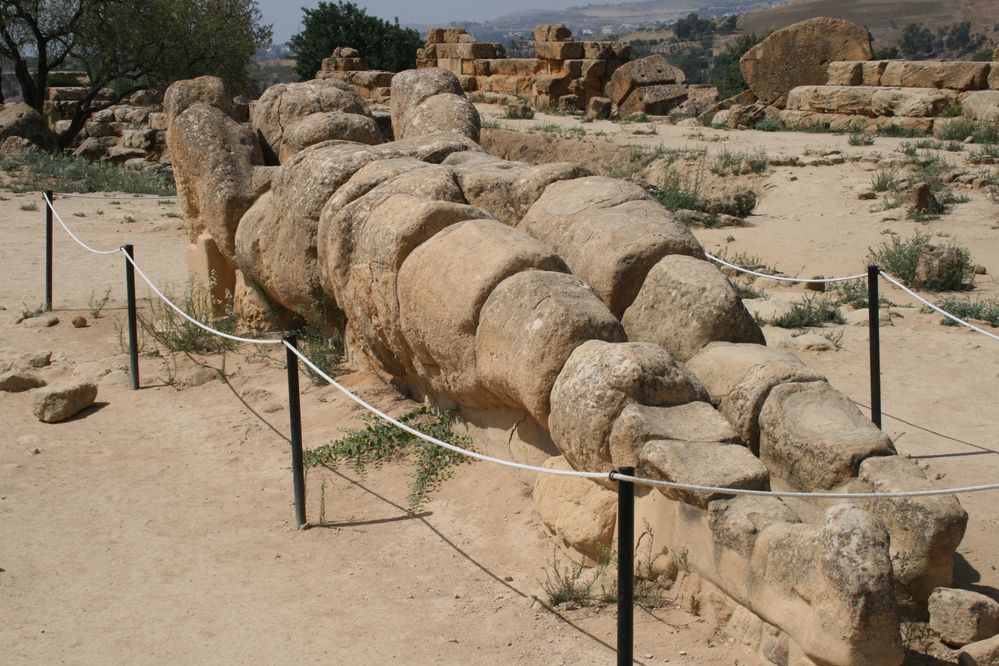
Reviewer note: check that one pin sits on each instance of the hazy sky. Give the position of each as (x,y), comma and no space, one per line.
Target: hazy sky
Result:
(286,15)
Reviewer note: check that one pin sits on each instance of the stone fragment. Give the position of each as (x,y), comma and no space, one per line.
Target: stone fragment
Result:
(282,105)
(79,321)
(326,126)
(552,32)
(737,522)
(799,55)
(656,100)
(686,303)
(598,108)
(739,378)
(17,381)
(701,463)
(529,326)
(62,401)
(925,531)
(960,617)
(181,95)
(813,438)
(41,321)
(845,73)
(579,513)
(980,653)
(598,381)
(692,422)
(18,119)
(439,318)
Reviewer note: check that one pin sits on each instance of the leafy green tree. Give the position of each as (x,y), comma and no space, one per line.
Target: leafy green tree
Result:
(384,45)
(726,74)
(917,41)
(126,46)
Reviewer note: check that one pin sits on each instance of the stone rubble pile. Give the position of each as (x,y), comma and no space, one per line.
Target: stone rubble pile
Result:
(574,322)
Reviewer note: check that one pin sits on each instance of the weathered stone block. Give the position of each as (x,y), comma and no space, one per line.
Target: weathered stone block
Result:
(953,75)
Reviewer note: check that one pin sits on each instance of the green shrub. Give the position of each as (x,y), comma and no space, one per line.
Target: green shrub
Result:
(177,334)
(896,131)
(729,162)
(900,258)
(958,130)
(984,310)
(767,125)
(811,311)
(860,139)
(676,194)
(886,180)
(379,442)
(32,172)
(322,346)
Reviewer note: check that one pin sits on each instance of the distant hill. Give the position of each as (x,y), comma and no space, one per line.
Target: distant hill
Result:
(884,18)
(611,18)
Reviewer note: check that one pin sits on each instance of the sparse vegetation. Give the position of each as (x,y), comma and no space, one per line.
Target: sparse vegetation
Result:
(860,139)
(897,131)
(728,162)
(678,193)
(323,346)
(379,442)
(554,131)
(30,313)
(177,334)
(96,303)
(886,180)
(981,309)
(810,311)
(30,207)
(901,258)
(32,172)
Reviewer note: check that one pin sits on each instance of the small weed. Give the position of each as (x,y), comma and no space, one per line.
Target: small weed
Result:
(97,303)
(31,313)
(677,193)
(491,124)
(810,311)
(566,584)
(908,149)
(988,152)
(886,180)
(379,442)
(180,335)
(835,337)
(745,289)
(768,125)
(915,634)
(954,146)
(896,131)
(983,310)
(325,349)
(29,207)
(860,139)
(638,118)
(553,131)
(734,163)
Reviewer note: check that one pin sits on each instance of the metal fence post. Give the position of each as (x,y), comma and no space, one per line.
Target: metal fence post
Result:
(133,332)
(295,414)
(625,568)
(47,197)
(874,328)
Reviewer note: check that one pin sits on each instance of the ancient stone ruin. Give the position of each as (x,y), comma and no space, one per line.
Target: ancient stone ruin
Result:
(820,73)
(572,322)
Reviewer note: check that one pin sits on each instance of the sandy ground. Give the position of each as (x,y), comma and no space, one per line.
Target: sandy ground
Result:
(157,527)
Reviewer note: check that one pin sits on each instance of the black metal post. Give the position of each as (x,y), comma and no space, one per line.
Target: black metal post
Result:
(873,325)
(48,249)
(133,332)
(295,414)
(625,568)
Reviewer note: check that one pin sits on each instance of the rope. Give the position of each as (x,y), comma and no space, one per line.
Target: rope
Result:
(128,197)
(780,277)
(71,234)
(612,476)
(937,308)
(236,338)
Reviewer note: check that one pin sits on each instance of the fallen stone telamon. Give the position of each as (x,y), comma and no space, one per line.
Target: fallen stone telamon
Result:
(575,323)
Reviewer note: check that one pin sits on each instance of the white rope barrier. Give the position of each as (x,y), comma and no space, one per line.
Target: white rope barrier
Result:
(612,476)
(178,310)
(71,234)
(126,197)
(925,302)
(781,278)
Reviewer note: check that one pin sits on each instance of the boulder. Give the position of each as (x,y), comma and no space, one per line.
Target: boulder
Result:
(440,318)
(841,570)
(25,360)
(609,233)
(701,463)
(980,653)
(446,112)
(208,90)
(686,303)
(597,382)
(800,54)
(529,326)
(981,106)
(579,513)
(552,32)
(16,381)
(648,71)
(411,87)
(507,189)
(213,161)
(599,108)
(20,120)
(60,402)
(365,263)
(282,105)
(960,617)
(925,531)
(318,127)
(813,438)
(656,100)
(692,422)
(739,378)
(953,74)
